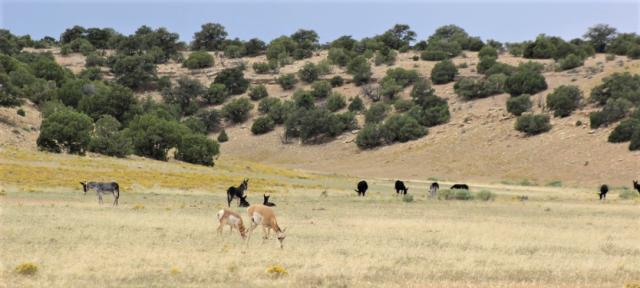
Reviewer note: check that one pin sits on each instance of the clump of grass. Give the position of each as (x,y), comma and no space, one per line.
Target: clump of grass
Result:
(27,269)
(485,195)
(407,198)
(457,194)
(175,271)
(526,182)
(628,194)
(138,207)
(555,183)
(277,271)
(324,194)
(632,285)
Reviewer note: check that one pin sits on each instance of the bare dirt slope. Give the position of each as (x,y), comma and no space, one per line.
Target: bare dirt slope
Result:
(478,144)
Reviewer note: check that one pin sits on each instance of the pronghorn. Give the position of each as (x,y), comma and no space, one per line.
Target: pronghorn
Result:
(263,215)
(233,219)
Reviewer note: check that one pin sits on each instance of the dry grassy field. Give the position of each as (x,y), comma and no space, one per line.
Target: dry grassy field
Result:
(163,233)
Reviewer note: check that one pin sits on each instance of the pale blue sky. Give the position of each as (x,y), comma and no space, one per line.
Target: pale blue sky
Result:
(500,20)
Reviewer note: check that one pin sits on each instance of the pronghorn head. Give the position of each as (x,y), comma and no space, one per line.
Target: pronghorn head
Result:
(281,235)
(84,187)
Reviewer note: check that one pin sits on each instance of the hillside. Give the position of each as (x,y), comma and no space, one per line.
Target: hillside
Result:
(478,144)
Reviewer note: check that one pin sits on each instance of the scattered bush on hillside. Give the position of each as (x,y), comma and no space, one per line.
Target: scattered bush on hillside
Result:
(65,131)
(153,136)
(360,69)
(258,92)
(526,80)
(519,104)
(198,60)
(376,112)
(401,128)
(570,62)
(262,125)
(335,102)
(108,140)
(197,149)
(263,67)
(320,89)
(308,73)
(488,51)
(287,81)
(443,72)
(185,94)
(233,80)
(336,81)
(614,110)
(533,124)
(564,100)
(222,137)
(356,104)
(624,131)
(237,111)
(369,137)
(216,94)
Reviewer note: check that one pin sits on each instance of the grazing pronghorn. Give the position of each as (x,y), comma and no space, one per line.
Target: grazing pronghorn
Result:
(266,201)
(102,188)
(233,219)
(263,215)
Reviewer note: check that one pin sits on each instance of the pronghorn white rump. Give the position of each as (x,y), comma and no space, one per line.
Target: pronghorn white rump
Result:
(233,219)
(265,216)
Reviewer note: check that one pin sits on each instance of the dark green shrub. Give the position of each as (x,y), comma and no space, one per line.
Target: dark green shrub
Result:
(320,89)
(533,124)
(443,72)
(211,119)
(222,137)
(153,136)
(198,60)
(234,51)
(570,62)
(185,94)
(313,125)
(93,74)
(336,81)
(254,47)
(237,111)
(450,48)
(335,102)
(197,149)
(401,128)
(21,112)
(210,37)
(356,104)
(108,139)
(525,81)
(258,92)
(268,104)
(430,55)
(402,105)
(634,52)
(376,113)
(233,79)
(216,94)
(564,100)
(360,69)
(135,72)
(486,195)
(65,130)
(635,141)
(196,125)
(304,99)
(287,81)
(519,104)
(385,56)
(308,73)
(339,56)
(599,36)
(614,110)
(469,88)
(488,51)
(280,113)
(262,125)
(624,131)
(262,67)
(94,60)
(500,68)
(618,85)
(369,137)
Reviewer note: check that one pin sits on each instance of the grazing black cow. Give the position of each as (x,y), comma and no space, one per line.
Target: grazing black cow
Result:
(400,187)
(266,201)
(238,192)
(604,189)
(362,188)
(433,189)
(102,188)
(636,185)
(460,186)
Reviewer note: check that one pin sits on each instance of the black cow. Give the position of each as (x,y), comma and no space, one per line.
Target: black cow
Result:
(400,187)
(433,189)
(362,188)
(604,189)
(460,186)
(636,185)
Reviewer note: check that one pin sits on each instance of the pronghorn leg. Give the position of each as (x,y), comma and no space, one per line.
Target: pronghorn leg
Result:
(222,223)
